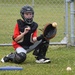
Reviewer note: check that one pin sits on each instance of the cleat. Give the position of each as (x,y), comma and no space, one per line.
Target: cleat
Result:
(43,60)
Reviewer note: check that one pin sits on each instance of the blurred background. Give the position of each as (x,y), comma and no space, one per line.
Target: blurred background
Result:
(46,11)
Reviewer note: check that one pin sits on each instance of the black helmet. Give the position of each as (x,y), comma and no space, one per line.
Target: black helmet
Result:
(27,9)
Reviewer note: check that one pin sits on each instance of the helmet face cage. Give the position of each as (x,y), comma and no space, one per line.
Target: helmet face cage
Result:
(27,9)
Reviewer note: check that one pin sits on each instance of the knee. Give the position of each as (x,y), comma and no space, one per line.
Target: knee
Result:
(19,57)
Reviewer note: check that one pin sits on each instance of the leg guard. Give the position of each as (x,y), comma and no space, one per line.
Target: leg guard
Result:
(17,57)
(41,49)
(44,47)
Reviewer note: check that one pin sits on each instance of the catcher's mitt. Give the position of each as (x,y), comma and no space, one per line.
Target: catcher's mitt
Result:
(50,31)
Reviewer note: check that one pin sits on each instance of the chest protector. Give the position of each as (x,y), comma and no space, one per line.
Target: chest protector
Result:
(22,25)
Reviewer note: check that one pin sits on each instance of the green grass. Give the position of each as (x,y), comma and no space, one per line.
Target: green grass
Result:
(61,58)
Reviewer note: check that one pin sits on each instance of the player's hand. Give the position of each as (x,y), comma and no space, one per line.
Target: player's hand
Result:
(26,30)
(34,39)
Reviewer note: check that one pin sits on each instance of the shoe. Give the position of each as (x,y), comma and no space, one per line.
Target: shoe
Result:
(5,59)
(43,60)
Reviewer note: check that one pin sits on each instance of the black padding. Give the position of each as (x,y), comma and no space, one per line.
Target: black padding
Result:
(19,57)
(41,49)
(40,37)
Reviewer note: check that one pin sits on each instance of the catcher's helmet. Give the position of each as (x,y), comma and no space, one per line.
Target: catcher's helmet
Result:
(25,9)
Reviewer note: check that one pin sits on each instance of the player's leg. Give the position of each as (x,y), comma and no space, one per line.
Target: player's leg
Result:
(18,57)
(40,52)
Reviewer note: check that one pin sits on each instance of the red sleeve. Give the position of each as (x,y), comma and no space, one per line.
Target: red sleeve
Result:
(16,31)
(34,34)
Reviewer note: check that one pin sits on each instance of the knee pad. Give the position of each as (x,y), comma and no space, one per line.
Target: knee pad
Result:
(19,57)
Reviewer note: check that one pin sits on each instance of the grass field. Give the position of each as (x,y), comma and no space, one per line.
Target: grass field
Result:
(61,56)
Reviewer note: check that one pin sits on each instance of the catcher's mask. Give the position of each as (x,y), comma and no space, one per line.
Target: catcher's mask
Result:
(26,9)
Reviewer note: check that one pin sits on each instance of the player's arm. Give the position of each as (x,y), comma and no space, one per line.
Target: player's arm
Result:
(17,35)
(34,36)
